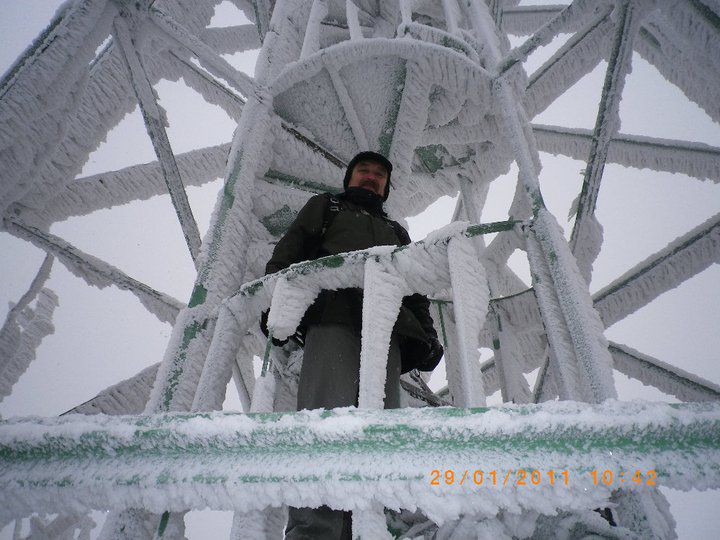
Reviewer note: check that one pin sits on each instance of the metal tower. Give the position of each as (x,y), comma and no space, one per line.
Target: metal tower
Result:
(437,87)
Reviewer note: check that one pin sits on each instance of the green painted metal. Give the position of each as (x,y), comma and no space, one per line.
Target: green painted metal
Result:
(163,523)
(173,379)
(568,434)
(710,16)
(388,129)
(278,222)
(431,156)
(266,356)
(275,177)
(442,324)
(198,295)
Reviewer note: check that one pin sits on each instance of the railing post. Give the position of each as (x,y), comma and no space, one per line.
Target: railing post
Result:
(471,297)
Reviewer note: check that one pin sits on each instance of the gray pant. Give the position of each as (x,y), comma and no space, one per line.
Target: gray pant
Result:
(330,378)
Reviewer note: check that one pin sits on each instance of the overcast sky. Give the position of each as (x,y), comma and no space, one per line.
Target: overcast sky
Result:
(104,336)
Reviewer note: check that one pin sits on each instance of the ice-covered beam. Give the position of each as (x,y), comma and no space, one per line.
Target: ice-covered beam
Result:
(263,14)
(232,39)
(106,99)
(586,236)
(25,328)
(136,182)
(698,22)
(354,458)
(126,397)
(665,377)
(421,391)
(42,92)
(210,88)
(524,20)
(571,16)
(295,182)
(155,122)
(563,297)
(692,70)
(576,58)
(680,260)
(213,62)
(94,271)
(695,159)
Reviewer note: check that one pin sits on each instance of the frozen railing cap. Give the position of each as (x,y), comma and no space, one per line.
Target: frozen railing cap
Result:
(350,458)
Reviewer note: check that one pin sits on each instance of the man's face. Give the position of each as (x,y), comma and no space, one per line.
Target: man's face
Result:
(369,175)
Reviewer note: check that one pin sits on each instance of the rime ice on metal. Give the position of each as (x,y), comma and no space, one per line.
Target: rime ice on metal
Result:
(436,87)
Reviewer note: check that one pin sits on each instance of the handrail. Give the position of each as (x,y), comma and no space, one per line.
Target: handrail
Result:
(353,457)
(239,312)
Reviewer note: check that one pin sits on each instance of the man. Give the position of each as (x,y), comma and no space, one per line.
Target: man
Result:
(331,327)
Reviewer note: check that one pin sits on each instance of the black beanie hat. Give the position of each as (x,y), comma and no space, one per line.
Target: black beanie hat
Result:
(374,157)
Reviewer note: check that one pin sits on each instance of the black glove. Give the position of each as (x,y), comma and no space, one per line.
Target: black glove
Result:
(298,337)
(433,356)
(264,328)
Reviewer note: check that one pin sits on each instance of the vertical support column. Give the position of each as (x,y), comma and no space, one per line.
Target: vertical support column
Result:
(513,386)
(224,248)
(577,315)
(471,298)
(217,371)
(545,383)
(155,122)
(579,343)
(382,298)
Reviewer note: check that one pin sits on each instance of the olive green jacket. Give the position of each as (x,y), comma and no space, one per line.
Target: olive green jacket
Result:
(349,229)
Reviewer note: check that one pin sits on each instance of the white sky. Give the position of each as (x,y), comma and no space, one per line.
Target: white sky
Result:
(104,336)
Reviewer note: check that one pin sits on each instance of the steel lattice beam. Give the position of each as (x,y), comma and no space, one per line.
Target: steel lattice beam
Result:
(246,461)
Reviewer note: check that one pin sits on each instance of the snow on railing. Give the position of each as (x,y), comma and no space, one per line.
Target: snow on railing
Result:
(444,261)
(444,462)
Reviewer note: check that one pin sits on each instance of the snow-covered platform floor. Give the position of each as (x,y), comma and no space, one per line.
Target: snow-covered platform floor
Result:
(349,457)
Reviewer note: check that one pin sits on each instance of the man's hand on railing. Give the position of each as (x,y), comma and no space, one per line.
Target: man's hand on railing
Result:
(297,337)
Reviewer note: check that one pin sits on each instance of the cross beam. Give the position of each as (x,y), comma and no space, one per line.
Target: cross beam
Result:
(357,457)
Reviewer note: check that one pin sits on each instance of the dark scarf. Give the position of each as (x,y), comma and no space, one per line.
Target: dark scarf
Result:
(369,200)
